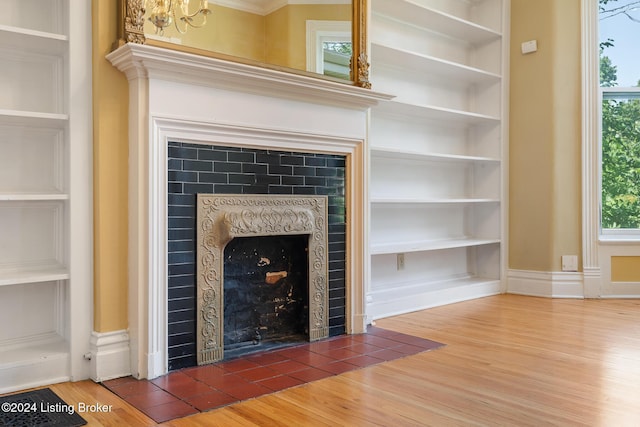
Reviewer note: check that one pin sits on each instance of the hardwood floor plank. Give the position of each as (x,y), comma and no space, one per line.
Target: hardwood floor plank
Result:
(509,361)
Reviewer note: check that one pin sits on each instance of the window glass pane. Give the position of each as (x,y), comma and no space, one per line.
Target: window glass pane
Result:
(621,163)
(619,30)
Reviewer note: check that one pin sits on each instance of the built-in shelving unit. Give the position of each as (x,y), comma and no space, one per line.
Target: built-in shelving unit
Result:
(437,156)
(37,180)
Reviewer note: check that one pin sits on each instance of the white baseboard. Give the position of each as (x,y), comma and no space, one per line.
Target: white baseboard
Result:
(549,284)
(110,355)
(394,301)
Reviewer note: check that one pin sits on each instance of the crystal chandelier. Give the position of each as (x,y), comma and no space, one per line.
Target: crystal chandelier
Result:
(165,12)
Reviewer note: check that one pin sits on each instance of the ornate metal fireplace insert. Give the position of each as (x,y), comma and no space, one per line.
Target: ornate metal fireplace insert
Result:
(220,218)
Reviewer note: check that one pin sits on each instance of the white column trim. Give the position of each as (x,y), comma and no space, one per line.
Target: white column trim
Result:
(590,150)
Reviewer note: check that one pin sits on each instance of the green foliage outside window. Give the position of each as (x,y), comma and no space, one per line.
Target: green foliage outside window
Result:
(620,146)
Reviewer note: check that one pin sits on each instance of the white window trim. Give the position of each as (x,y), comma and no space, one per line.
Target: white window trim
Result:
(321,31)
(597,247)
(590,150)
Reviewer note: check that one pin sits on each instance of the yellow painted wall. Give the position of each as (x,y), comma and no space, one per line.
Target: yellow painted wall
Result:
(110,147)
(291,44)
(625,269)
(544,141)
(228,31)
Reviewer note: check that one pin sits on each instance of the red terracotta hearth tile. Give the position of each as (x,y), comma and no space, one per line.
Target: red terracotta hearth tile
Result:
(172,379)
(387,354)
(248,391)
(322,346)
(381,342)
(258,374)
(170,411)
(227,382)
(314,359)
(288,366)
(338,367)
(184,391)
(363,348)
(118,381)
(344,340)
(363,361)
(311,374)
(214,399)
(384,333)
(134,387)
(290,353)
(340,354)
(238,365)
(205,373)
(265,359)
(408,349)
(155,398)
(280,383)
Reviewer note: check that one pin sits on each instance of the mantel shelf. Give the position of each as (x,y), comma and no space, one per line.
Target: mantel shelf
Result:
(136,60)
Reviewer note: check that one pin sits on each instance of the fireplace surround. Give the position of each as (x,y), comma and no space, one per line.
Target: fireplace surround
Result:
(222,218)
(234,105)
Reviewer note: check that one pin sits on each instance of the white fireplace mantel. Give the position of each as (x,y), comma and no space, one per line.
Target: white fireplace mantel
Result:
(176,96)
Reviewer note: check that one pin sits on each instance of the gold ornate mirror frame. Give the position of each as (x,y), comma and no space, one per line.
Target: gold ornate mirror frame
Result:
(132,31)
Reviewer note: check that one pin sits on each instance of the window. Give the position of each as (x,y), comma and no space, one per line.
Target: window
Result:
(619,29)
(329,48)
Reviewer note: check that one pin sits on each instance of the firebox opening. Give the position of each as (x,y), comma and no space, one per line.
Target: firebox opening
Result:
(266,298)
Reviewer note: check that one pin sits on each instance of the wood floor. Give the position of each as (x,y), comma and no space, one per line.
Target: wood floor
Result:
(509,361)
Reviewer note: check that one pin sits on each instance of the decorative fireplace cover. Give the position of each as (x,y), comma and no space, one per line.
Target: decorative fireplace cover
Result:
(220,218)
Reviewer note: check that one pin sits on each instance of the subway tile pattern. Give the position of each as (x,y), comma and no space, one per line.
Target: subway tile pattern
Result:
(199,168)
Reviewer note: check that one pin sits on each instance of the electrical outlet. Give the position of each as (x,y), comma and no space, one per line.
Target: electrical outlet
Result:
(400,261)
(569,262)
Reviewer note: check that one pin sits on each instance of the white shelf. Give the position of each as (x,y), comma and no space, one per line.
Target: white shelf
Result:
(435,113)
(397,200)
(399,154)
(428,245)
(32,40)
(434,20)
(33,275)
(400,57)
(33,119)
(33,196)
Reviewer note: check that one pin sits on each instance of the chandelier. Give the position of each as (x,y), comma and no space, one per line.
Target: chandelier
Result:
(165,12)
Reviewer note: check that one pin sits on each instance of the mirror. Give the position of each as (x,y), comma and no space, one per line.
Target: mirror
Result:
(318,38)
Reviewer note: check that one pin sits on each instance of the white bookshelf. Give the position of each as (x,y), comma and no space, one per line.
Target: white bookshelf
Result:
(44,189)
(437,152)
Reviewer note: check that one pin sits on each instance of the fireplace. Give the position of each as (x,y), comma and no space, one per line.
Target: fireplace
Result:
(237,106)
(222,218)
(265,293)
